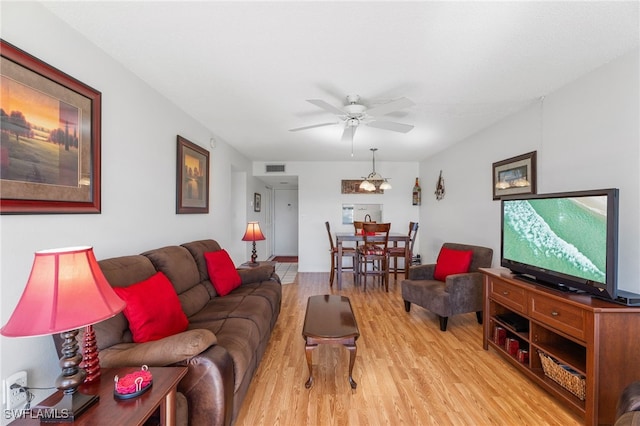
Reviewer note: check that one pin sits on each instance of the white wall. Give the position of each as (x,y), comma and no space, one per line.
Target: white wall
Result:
(587,136)
(139,129)
(320,200)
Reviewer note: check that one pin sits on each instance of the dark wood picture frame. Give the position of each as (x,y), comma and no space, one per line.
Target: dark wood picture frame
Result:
(192,178)
(47,165)
(352,186)
(257,202)
(515,175)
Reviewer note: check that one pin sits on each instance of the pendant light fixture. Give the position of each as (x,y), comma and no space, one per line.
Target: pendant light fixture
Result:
(374,179)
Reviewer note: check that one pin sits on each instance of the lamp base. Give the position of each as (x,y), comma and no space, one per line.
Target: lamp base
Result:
(68,408)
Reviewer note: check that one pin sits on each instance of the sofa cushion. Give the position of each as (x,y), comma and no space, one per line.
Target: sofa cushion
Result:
(222,272)
(180,267)
(452,262)
(159,353)
(177,264)
(197,250)
(153,309)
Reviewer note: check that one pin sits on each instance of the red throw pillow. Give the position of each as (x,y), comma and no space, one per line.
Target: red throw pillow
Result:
(222,272)
(153,309)
(452,262)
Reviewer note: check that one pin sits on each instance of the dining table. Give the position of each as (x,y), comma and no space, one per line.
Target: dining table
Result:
(341,237)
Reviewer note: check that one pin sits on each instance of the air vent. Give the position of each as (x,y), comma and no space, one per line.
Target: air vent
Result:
(275,168)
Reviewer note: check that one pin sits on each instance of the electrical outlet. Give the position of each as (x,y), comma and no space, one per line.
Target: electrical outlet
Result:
(15,396)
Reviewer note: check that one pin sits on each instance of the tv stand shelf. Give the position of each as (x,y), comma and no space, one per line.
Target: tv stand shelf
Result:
(596,339)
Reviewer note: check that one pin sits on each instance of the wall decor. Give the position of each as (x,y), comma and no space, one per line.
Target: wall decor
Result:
(352,186)
(257,202)
(516,175)
(192,181)
(440,188)
(49,138)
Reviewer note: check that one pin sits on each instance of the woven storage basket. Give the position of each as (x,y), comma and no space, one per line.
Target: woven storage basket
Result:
(572,382)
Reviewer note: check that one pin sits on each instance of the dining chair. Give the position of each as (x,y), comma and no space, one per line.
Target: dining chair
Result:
(357,225)
(374,252)
(346,252)
(404,252)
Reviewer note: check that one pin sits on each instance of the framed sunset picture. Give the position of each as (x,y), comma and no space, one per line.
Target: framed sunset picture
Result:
(49,139)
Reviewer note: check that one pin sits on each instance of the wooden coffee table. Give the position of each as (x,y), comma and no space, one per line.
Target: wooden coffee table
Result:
(330,319)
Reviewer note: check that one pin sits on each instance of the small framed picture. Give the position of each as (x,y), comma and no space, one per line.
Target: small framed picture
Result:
(257,202)
(192,178)
(516,175)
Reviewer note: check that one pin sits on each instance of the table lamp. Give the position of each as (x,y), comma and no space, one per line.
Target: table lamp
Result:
(66,290)
(253,233)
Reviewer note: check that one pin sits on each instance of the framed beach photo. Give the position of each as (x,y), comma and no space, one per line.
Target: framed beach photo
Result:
(192,178)
(50,138)
(516,175)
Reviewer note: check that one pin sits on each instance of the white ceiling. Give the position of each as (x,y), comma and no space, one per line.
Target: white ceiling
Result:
(245,69)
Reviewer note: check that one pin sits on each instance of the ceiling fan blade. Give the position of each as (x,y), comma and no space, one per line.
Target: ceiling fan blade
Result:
(349,132)
(390,107)
(313,126)
(326,106)
(390,125)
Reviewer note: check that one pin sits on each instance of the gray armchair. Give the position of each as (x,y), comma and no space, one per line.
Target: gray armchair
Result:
(460,293)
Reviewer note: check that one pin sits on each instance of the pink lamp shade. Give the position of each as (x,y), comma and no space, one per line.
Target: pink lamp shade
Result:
(66,290)
(253,232)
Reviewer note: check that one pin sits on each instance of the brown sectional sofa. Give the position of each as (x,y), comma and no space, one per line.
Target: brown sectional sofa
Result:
(226,336)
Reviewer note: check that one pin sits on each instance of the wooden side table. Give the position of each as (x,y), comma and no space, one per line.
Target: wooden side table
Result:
(248,265)
(109,411)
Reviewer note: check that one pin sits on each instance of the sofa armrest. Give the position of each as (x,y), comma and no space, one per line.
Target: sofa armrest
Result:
(209,387)
(421,272)
(158,353)
(257,274)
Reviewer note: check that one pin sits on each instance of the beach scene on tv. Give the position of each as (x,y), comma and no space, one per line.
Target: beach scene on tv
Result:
(567,235)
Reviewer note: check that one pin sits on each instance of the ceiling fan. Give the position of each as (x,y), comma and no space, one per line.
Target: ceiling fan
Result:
(355,113)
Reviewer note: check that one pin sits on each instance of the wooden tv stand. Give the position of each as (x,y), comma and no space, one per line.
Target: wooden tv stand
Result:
(596,338)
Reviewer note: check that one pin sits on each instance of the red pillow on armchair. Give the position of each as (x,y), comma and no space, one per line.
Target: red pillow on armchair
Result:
(452,262)
(222,272)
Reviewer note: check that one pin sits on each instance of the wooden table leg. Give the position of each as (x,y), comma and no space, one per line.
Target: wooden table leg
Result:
(339,265)
(308,349)
(168,409)
(352,359)
(407,261)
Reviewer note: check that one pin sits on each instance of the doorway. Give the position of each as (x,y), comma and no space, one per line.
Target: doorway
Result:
(285,217)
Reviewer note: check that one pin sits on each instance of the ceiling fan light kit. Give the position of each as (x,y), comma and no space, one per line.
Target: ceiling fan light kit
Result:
(374,179)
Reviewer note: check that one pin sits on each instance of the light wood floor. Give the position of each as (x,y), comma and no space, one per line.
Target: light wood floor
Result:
(407,370)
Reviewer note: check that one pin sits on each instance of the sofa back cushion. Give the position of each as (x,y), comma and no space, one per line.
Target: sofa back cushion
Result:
(197,250)
(121,272)
(153,309)
(180,267)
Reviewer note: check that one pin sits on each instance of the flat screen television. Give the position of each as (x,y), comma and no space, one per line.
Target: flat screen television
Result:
(566,240)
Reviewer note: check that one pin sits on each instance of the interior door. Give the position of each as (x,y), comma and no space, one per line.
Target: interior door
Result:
(285,222)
